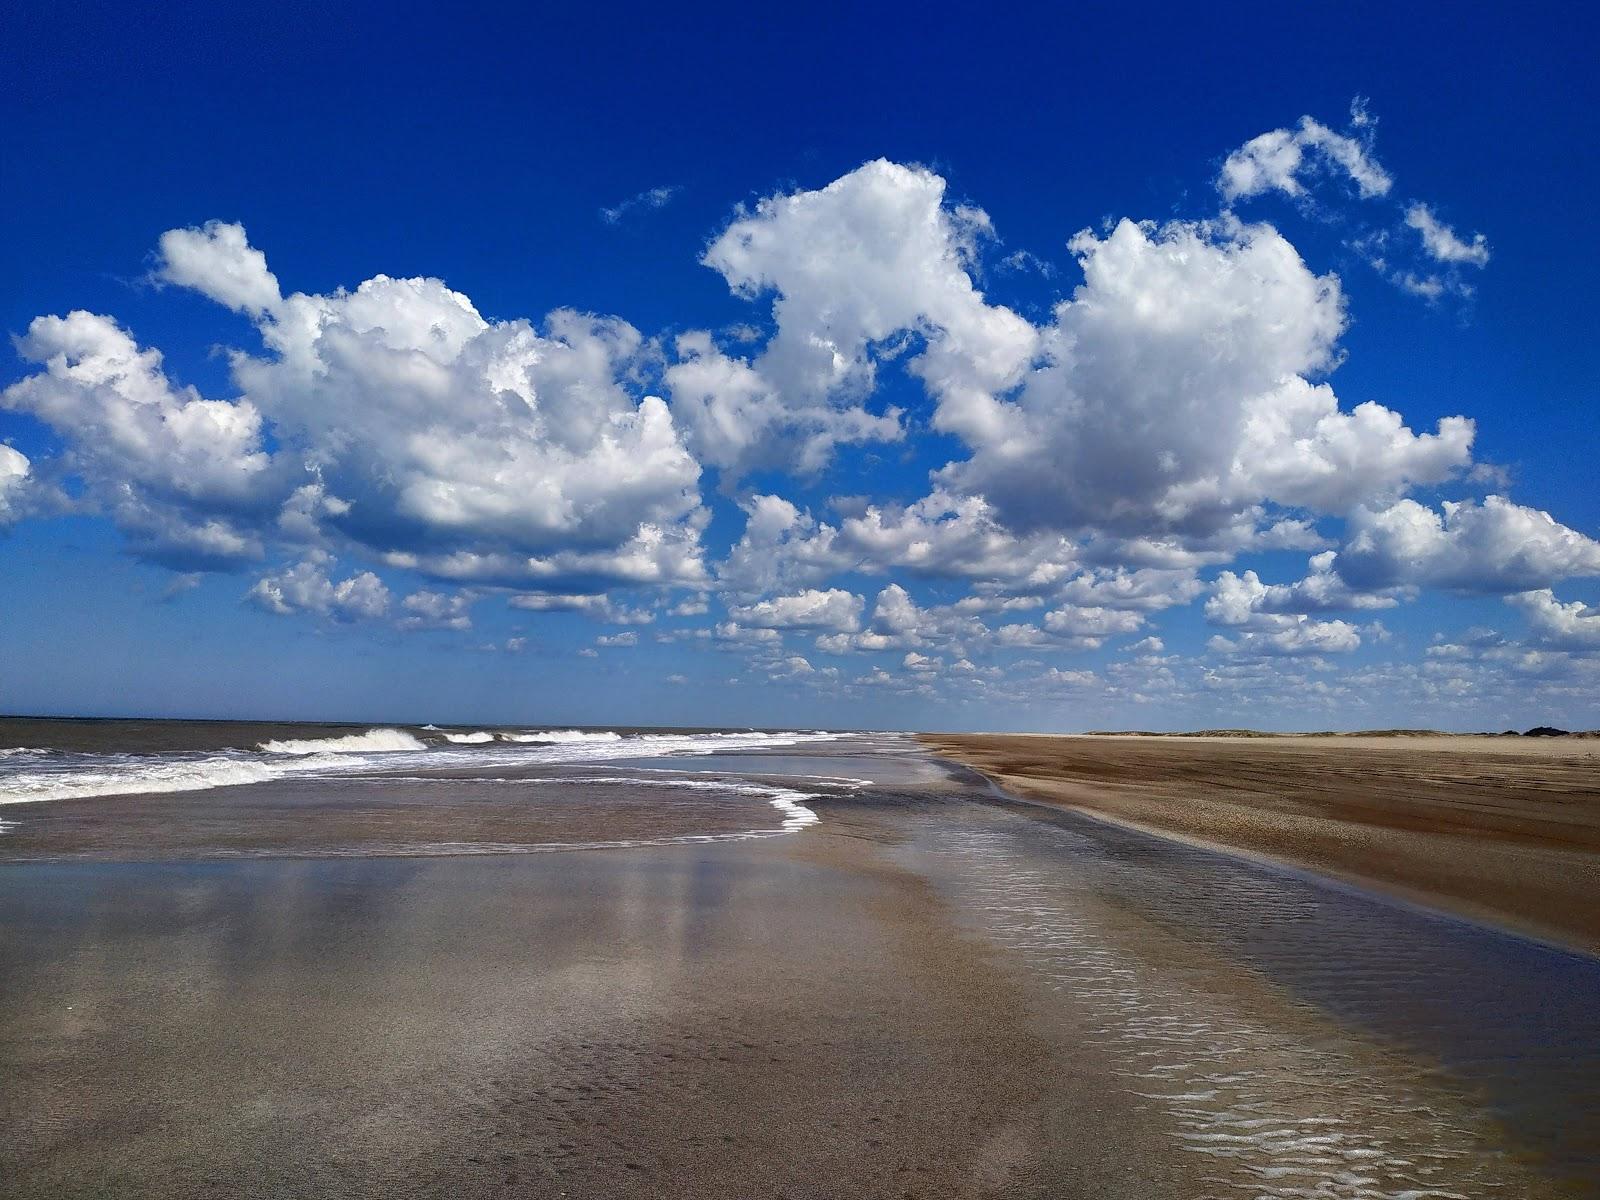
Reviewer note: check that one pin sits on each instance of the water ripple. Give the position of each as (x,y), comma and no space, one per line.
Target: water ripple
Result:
(1299,1040)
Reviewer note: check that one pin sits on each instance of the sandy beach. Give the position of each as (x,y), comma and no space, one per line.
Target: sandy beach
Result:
(296,988)
(1505,830)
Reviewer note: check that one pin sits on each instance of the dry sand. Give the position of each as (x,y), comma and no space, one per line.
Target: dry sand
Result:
(1505,830)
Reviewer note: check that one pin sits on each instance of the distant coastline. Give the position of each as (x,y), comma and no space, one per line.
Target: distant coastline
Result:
(1539,731)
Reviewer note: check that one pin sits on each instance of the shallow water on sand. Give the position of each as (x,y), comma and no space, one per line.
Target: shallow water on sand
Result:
(1302,1037)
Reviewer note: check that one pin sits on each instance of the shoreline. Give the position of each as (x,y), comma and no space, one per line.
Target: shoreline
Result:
(1487,853)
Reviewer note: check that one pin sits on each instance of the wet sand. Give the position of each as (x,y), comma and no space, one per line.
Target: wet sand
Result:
(405,816)
(792,1017)
(1505,830)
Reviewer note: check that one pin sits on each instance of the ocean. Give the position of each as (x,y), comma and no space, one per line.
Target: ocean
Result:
(227,789)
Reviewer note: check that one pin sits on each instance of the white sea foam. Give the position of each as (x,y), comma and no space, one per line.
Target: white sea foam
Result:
(577,745)
(114,775)
(30,776)
(791,803)
(788,801)
(379,741)
(468,739)
(564,736)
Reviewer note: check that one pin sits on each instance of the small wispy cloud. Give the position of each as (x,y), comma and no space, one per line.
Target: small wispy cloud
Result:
(1430,271)
(1294,161)
(1026,260)
(656,197)
(1441,242)
(178,585)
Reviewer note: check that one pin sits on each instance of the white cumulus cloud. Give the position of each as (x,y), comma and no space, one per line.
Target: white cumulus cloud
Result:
(188,478)
(1241,599)
(14,472)
(942,535)
(898,622)
(427,609)
(218,261)
(1291,637)
(852,266)
(1472,546)
(834,610)
(427,435)
(1172,413)
(1175,398)
(1574,626)
(306,588)
(1092,623)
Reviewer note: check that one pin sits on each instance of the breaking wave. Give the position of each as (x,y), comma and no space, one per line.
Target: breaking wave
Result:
(373,741)
(30,775)
(117,776)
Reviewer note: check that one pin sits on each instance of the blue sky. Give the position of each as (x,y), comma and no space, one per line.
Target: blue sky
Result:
(1046,370)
